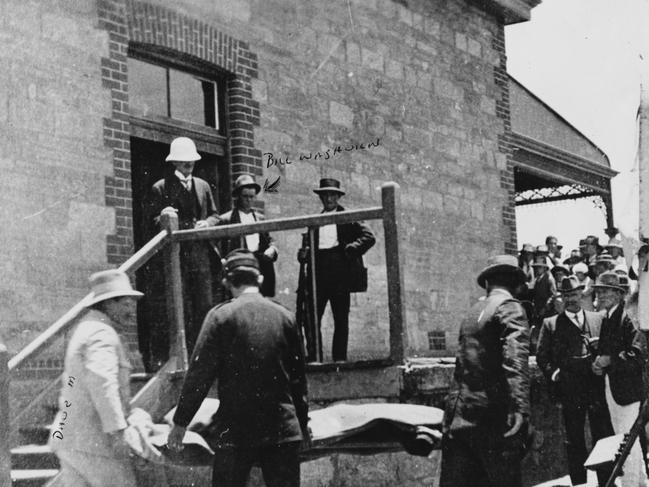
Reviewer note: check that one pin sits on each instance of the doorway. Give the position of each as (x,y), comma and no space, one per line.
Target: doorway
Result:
(148,165)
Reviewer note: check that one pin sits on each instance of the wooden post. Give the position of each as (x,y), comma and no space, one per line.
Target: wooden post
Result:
(174,293)
(396,308)
(314,297)
(643,174)
(5,451)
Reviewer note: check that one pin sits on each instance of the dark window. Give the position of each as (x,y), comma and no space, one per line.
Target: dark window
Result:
(168,92)
(436,340)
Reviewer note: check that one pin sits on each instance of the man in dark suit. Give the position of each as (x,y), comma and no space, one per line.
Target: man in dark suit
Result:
(252,347)
(339,268)
(621,360)
(487,411)
(191,199)
(567,348)
(261,244)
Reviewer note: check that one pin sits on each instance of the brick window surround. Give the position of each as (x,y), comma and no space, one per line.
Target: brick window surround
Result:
(132,21)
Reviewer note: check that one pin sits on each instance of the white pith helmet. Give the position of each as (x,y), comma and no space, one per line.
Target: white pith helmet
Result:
(182,149)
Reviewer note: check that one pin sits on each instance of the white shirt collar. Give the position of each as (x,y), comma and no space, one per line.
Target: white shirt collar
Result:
(611,311)
(180,176)
(501,291)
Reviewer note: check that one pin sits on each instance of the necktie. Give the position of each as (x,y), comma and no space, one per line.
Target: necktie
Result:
(187,183)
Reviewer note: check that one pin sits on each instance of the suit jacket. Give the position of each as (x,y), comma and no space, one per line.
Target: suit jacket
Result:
(251,346)
(266,266)
(168,191)
(491,368)
(564,346)
(627,347)
(95,392)
(354,239)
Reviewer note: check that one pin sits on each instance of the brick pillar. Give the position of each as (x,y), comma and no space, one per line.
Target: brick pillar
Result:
(504,143)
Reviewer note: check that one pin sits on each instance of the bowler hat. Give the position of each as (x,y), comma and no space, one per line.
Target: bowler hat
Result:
(245,181)
(529,248)
(329,184)
(110,284)
(560,267)
(569,284)
(580,267)
(609,280)
(542,250)
(501,264)
(541,261)
(240,258)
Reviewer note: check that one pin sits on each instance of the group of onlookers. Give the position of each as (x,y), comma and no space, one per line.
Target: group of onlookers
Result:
(589,347)
(584,310)
(545,268)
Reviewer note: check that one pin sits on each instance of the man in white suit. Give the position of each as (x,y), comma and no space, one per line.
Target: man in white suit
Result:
(88,434)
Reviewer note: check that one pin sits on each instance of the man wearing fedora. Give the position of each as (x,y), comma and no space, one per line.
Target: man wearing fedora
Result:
(191,199)
(339,268)
(251,346)
(89,432)
(261,244)
(566,351)
(485,421)
(621,361)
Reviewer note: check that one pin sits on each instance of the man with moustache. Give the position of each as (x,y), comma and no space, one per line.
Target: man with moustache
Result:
(261,244)
(566,350)
(191,199)
(339,268)
(89,432)
(621,361)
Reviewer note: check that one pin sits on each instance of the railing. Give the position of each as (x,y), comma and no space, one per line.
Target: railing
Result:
(158,395)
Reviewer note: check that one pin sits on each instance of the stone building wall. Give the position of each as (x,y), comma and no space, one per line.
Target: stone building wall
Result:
(364,91)
(54,163)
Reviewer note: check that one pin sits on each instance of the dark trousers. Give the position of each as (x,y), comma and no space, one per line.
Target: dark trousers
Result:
(481,457)
(280,465)
(574,420)
(331,286)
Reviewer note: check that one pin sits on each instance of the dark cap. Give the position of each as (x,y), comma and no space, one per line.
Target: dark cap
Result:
(240,258)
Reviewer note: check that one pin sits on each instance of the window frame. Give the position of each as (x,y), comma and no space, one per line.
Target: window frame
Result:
(169,59)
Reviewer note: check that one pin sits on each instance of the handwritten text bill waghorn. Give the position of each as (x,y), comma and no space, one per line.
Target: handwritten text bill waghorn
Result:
(270,159)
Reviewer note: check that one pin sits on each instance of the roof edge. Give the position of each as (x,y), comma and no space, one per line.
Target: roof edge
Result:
(511,11)
(558,115)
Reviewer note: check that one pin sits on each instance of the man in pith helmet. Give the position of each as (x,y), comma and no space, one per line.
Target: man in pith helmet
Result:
(192,200)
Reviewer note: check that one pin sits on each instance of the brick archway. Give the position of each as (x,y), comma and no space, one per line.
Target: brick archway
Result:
(133,21)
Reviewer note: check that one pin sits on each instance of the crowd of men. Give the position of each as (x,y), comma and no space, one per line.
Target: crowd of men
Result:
(580,314)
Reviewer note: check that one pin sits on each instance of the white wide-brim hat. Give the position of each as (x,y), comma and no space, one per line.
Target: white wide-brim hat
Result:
(110,284)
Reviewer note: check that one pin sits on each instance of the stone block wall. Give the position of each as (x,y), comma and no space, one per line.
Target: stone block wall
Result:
(54,163)
(364,91)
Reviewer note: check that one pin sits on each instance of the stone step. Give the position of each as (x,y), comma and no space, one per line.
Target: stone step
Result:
(35,434)
(31,478)
(33,457)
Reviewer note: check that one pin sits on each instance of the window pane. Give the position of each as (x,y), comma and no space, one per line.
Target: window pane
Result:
(186,93)
(147,88)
